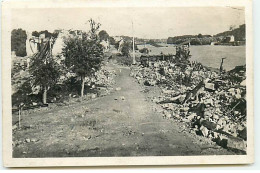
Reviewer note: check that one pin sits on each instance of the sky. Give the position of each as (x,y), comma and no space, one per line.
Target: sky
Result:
(141,22)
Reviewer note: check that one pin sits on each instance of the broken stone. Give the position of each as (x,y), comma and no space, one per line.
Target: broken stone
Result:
(14,127)
(27,140)
(204,131)
(243,83)
(208,124)
(93,96)
(34,140)
(216,117)
(118,89)
(208,102)
(210,86)
(192,116)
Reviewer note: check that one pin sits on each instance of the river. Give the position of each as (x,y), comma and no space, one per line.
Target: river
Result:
(208,55)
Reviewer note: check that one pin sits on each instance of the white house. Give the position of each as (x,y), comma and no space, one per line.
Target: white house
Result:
(105,44)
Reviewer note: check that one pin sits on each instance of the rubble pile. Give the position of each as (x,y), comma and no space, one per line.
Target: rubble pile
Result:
(212,103)
(103,80)
(105,76)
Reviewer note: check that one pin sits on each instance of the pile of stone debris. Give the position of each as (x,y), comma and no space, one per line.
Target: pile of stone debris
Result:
(103,80)
(213,103)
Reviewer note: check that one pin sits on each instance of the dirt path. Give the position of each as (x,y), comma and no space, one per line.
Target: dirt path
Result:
(122,123)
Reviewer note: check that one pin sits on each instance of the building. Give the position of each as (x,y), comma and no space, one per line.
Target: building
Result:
(229,39)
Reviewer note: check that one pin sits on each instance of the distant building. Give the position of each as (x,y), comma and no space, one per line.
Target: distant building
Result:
(229,39)
(106,45)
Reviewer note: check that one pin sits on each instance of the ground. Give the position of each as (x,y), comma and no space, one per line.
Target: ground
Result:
(122,123)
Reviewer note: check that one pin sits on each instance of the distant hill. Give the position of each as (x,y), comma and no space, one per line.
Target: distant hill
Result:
(238,33)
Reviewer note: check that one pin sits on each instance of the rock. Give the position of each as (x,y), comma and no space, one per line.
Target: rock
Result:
(122,98)
(215,135)
(167,114)
(216,117)
(243,83)
(93,96)
(218,126)
(210,86)
(177,116)
(208,102)
(34,140)
(14,127)
(34,104)
(208,124)
(204,131)
(118,89)
(207,114)
(232,91)
(238,96)
(27,140)
(192,116)
(185,109)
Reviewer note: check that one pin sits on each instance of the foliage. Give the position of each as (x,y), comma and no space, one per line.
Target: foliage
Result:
(112,41)
(18,42)
(103,35)
(124,60)
(126,47)
(44,70)
(83,56)
(144,50)
(239,33)
(46,32)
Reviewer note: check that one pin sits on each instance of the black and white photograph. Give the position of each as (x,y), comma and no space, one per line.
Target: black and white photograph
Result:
(128,82)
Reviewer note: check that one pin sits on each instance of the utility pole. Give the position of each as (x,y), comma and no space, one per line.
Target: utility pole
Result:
(134,62)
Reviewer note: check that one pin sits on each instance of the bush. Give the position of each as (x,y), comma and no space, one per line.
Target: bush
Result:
(144,50)
(124,60)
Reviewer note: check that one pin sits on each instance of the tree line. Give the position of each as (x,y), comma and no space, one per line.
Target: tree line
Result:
(238,33)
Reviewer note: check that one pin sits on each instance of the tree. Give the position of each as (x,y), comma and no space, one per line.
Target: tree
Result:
(35,33)
(200,36)
(18,42)
(83,56)
(112,41)
(44,70)
(126,47)
(103,35)
(47,33)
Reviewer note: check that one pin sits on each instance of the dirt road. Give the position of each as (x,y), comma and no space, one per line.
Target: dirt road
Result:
(122,123)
